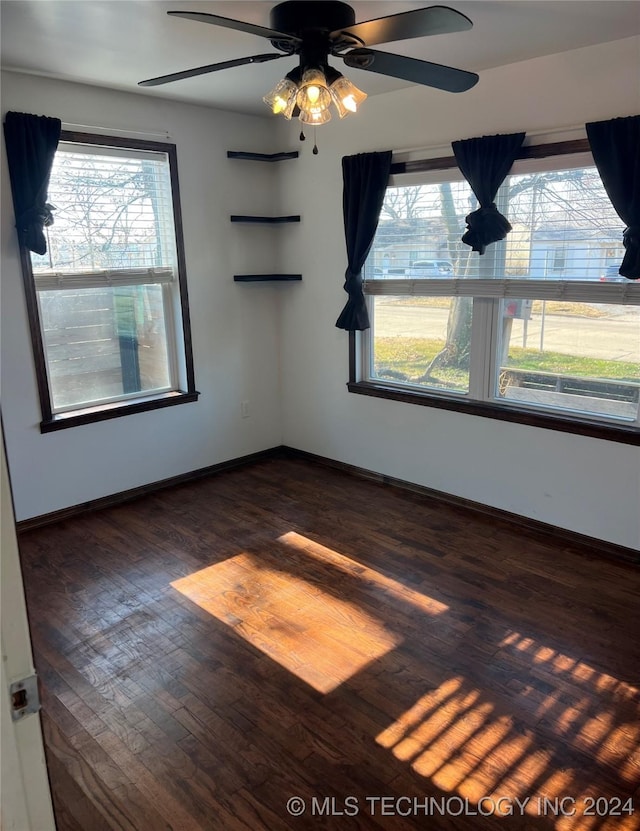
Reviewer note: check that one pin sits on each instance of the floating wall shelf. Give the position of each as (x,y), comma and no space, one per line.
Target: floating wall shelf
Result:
(262,157)
(265,220)
(263,278)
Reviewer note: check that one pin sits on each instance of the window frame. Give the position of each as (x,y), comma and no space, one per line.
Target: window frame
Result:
(123,406)
(485,315)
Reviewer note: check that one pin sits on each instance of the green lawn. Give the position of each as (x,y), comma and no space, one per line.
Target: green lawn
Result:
(572,365)
(407,358)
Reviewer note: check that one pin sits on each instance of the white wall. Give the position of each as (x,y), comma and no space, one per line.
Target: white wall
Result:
(578,483)
(235,327)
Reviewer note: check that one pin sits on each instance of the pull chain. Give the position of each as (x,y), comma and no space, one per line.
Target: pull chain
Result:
(315,143)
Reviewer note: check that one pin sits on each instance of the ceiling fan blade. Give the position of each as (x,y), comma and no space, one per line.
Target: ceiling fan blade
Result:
(409,69)
(212,67)
(239,25)
(435,20)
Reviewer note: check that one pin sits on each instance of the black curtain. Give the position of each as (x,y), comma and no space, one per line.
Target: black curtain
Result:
(615,145)
(365,181)
(484,163)
(31,145)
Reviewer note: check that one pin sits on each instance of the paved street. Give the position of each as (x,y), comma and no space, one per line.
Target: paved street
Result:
(612,338)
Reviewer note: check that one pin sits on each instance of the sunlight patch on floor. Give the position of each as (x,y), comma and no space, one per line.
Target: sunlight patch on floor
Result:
(474,745)
(386,585)
(317,633)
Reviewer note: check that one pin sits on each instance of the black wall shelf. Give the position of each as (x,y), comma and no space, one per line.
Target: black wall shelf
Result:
(262,157)
(265,220)
(263,278)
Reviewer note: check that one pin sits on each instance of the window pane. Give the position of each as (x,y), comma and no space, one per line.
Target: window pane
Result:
(583,357)
(104,343)
(563,226)
(422,341)
(419,233)
(111,211)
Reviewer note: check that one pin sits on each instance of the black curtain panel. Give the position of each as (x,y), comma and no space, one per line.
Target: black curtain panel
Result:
(615,145)
(365,182)
(31,142)
(485,162)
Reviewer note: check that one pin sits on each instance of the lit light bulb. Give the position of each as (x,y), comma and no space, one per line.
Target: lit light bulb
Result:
(282,98)
(313,93)
(346,96)
(350,103)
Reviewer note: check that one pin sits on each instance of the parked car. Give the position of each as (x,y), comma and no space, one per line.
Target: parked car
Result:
(430,268)
(377,273)
(611,275)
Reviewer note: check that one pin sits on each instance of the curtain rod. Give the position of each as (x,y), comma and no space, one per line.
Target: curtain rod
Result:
(531,151)
(92,128)
(529,134)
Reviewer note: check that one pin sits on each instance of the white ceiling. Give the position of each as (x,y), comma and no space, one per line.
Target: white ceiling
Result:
(116,43)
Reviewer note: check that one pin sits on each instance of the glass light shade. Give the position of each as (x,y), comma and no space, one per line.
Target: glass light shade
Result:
(346,96)
(282,98)
(315,116)
(313,95)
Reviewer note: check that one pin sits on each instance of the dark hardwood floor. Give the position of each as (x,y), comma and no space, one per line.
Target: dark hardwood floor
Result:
(208,652)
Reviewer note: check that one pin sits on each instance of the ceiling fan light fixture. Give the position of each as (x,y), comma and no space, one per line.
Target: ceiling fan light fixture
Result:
(346,96)
(313,93)
(282,98)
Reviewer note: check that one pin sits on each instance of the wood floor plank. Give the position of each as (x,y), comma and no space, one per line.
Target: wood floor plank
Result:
(74,810)
(286,630)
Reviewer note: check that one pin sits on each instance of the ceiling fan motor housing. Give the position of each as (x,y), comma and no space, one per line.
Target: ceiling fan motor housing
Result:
(298,16)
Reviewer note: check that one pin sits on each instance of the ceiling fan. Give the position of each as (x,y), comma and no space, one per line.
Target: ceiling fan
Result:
(316,29)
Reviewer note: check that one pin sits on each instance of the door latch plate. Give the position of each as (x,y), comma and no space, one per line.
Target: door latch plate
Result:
(24,696)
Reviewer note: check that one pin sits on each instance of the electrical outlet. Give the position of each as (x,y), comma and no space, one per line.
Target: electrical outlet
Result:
(244,409)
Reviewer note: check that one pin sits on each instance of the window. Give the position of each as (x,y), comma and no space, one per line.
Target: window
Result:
(536,330)
(109,305)
(556,259)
